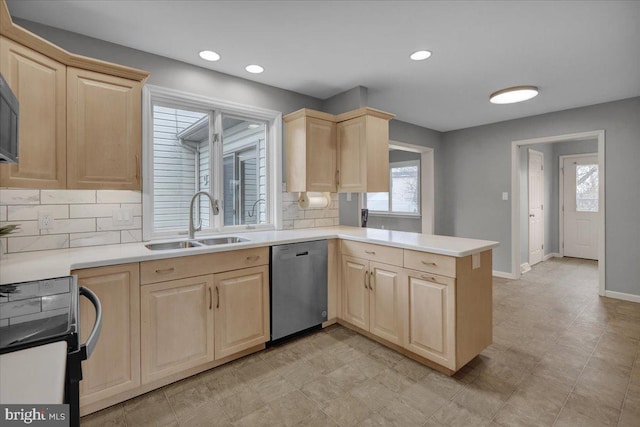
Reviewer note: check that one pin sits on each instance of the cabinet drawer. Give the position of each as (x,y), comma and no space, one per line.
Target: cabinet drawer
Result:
(429,277)
(189,266)
(431,263)
(385,254)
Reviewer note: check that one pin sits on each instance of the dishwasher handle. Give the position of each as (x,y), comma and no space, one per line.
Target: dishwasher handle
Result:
(87,348)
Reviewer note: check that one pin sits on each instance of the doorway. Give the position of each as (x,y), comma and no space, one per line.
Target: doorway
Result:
(536,206)
(580,207)
(518,253)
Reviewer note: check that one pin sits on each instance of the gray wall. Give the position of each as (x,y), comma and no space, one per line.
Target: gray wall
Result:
(552,153)
(351,99)
(177,75)
(477,170)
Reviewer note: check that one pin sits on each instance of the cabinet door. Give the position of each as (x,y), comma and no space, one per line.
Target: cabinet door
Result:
(104,136)
(39,83)
(114,366)
(355,301)
(321,155)
(177,326)
(352,156)
(386,302)
(431,318)
(241,310)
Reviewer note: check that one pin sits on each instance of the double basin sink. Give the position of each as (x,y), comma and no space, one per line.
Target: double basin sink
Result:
(184,244)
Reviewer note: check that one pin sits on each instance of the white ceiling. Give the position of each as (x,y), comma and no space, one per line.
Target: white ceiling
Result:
(577,52)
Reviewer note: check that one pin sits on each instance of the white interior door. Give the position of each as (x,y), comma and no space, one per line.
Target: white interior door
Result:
(581,206)
(536,208)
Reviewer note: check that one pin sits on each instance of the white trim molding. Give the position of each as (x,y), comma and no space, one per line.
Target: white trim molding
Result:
(504,275)
(525,267)
(515,199)
(551,255)
(622,296)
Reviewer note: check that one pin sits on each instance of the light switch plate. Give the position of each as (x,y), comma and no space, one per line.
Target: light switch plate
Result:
(123,216)
(505,195)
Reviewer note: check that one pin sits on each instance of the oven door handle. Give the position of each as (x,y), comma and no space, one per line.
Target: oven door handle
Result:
(88,347)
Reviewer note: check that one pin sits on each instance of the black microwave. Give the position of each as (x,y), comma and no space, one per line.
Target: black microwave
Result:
(8,124)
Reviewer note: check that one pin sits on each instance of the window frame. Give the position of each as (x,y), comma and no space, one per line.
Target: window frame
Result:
(152,95)
(390,212)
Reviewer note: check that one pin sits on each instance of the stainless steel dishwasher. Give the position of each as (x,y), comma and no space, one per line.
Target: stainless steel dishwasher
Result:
(298,287)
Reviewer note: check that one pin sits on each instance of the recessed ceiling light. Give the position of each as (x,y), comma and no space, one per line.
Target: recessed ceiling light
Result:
(514,94)
(255,69)
(209,55)
(420,55)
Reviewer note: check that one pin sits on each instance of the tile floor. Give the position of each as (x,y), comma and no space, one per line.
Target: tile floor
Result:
(561,356)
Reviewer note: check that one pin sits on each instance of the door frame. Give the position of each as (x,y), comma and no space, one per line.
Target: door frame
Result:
(529,151)
(515,197)
(427,184)
(561,196)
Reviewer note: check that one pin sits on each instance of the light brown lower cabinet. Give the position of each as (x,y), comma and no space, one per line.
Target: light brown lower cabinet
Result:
(434,308)
(114,366)
(241,310)
(372,297)
(177,326)
(430,330)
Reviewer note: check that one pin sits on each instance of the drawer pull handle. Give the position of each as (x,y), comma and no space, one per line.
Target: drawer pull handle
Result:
(430,278)
(217,297)
(210,299)
(370,252)
(253,258)
(166,270)
(429,263)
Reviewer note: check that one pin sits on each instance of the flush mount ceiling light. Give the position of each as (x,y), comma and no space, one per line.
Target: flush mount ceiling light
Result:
(209,55)
(254,69)
(254,126)
(514,94)
(420,55)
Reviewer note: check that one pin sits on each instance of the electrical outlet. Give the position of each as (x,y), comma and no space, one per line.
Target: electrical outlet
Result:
(45,220)
(122,216)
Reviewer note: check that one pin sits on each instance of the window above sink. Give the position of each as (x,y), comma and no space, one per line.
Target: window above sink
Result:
(192,143)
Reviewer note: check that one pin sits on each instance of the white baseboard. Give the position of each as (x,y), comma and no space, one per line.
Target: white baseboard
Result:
(622,296)
(551,255)
(503,274)
(524,267)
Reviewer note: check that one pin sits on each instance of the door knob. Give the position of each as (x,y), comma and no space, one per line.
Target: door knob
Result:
(530,215)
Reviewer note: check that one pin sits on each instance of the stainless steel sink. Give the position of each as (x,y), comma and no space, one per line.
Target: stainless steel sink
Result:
(182,244)
(222,240)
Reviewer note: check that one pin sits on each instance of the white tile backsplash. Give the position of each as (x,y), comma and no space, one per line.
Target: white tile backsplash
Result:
(30,212)
(37,243)
(85,217)
(118,196)
(67,197)
(130,236)
(97,210)
(27,228)
(82,218)
(106,224)
(19,197)
(80,225)
(94,239)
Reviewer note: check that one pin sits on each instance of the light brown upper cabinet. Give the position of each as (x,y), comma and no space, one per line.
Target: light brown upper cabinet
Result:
(343,153)
(310,151)
(363,151)
(40,85)
(80,118)
(103,131)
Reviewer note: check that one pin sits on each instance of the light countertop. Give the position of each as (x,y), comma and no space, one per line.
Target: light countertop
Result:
(20,267)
